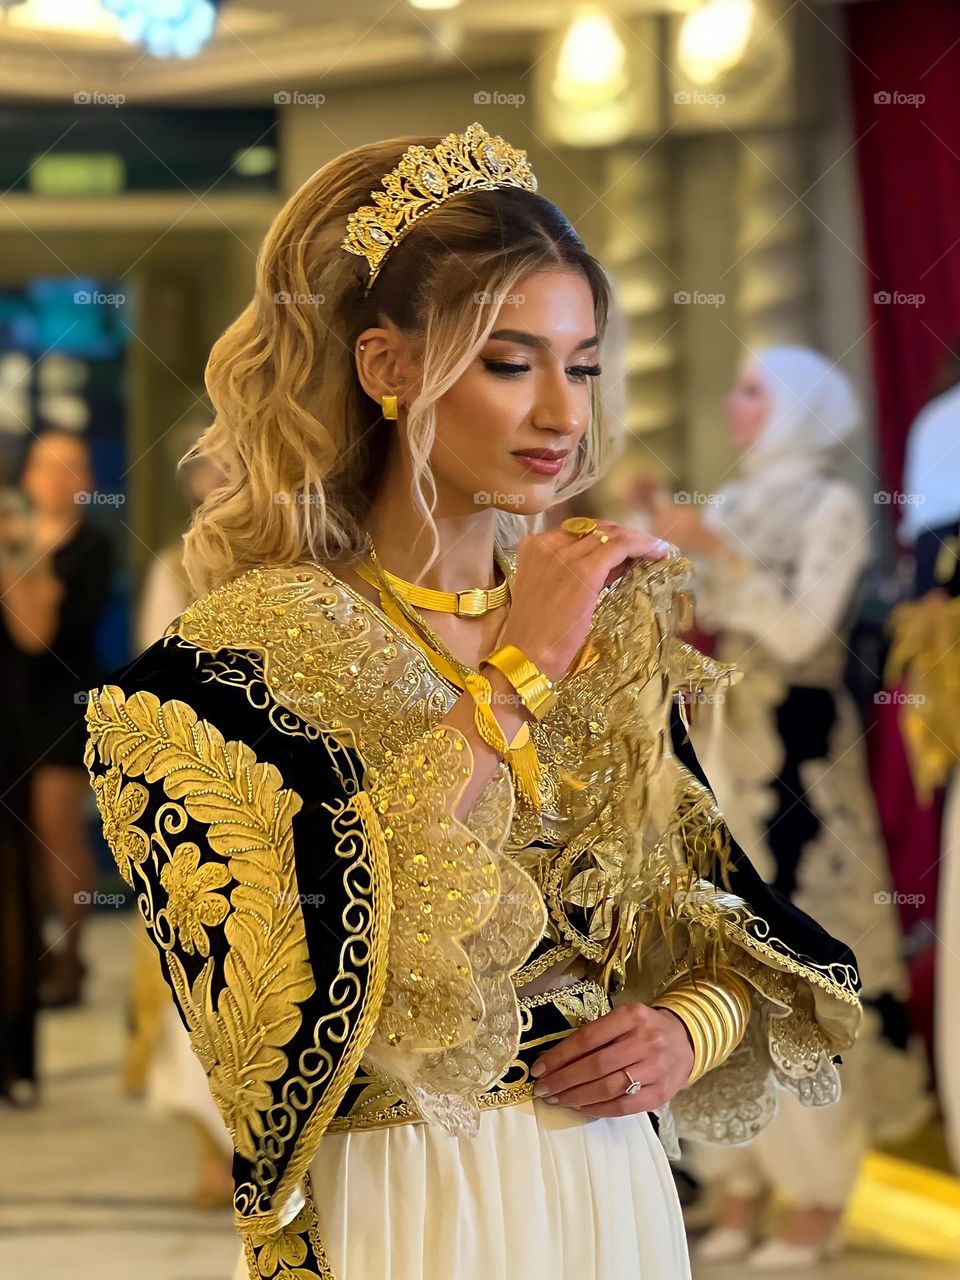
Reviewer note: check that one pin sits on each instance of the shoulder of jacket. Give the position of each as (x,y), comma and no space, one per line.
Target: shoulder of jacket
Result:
(258,609)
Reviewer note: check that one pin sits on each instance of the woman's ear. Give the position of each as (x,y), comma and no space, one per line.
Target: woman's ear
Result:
(381,363)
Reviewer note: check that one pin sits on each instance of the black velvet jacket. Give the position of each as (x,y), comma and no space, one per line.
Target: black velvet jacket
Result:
(277,788)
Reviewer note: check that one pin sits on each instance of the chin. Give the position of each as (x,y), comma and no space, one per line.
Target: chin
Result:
(518,497)
(536,500)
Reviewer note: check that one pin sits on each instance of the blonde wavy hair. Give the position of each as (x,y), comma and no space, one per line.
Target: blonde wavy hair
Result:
(302,445)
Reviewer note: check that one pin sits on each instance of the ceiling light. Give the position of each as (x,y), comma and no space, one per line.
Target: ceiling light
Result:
(713,38)
(168,28)
(591,65)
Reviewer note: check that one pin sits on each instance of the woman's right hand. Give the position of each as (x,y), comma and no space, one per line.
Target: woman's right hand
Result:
(557,581)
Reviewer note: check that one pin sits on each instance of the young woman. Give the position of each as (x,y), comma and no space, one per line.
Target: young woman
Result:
(779,558)
(447,918)
(56,479)
(28,603)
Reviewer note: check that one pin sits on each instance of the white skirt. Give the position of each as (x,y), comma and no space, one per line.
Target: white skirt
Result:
(542,1193)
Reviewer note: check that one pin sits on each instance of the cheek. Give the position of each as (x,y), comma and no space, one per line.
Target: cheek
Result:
(746,414)
(481,412)
(737,412)
(755,419)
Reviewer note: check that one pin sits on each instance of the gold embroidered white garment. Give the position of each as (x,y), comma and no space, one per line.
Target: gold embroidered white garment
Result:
(542,1193)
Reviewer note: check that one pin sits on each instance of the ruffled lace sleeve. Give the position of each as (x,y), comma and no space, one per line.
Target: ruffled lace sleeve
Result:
(804,983)
(651,882)
(465,917)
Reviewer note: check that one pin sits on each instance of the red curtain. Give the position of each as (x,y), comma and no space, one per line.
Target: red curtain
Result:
(908,154)
(904,63)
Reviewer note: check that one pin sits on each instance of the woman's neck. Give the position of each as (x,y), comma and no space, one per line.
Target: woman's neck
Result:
(54,527)
(403,542)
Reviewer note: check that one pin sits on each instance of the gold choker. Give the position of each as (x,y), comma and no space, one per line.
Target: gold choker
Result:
(467,604)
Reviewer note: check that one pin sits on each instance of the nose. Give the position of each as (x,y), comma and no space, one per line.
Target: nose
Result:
(562,407)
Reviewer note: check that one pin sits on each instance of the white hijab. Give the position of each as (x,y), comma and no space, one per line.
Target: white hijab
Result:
(931,476)
(813,411)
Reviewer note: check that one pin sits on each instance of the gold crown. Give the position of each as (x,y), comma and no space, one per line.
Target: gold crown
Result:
(424,179)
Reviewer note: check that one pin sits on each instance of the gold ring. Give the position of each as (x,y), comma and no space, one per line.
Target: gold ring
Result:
(580,526)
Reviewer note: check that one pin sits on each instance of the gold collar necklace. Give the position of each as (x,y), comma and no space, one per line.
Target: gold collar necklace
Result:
(473,603)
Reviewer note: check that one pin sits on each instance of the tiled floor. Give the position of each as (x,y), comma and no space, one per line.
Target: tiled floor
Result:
(853,1266)
(91,1188)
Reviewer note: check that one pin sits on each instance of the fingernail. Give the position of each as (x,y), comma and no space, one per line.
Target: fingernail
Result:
(553,1101)
(661,546)
(537,1069)
(541,1091)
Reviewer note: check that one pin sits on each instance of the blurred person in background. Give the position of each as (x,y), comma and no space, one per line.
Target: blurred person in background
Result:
(58,485)
(29,594)
(160,1061)
(779,557)
(166,590)
(926,648)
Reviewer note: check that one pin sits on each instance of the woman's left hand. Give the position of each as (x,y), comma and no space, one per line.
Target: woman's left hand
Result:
(588,1070)
(683,525)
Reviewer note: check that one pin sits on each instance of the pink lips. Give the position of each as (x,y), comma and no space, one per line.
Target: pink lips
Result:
(545,462)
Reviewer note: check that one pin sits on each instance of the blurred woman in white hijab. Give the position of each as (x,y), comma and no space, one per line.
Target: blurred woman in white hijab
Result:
(926,648)
(779,556)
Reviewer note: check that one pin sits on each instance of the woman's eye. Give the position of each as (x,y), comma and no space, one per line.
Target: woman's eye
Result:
(505,366)
(509,368)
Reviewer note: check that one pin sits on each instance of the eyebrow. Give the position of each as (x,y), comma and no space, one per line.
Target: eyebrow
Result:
(535,340)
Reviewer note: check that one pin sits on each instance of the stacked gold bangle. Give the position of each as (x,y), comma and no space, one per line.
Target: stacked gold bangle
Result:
(520,754)
(715,1013)
(534,689)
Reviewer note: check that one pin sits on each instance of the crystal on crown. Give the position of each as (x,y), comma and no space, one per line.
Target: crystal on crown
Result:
(423,179)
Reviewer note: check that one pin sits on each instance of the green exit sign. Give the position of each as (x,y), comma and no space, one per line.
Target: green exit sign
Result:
(77,175)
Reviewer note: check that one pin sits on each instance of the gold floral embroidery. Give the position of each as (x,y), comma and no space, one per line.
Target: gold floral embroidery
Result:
(326,656)
(284,1249)
(464,919)
(244,670)
(282,1253)
(192,903)
(449,1018)
(248,817)
(604,736)
(120,806)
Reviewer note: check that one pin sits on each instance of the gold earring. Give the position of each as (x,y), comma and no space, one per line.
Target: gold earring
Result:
(388,405)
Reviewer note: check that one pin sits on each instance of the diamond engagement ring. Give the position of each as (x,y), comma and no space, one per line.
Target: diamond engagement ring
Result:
(634,1086)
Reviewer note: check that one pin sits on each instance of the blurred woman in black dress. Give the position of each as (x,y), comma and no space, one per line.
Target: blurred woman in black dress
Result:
(57,483)
(28,598)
